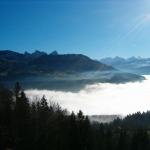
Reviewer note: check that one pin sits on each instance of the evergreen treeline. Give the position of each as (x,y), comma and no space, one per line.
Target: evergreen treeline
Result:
(40,126)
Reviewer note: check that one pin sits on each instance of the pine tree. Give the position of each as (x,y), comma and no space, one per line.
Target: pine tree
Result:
(122,143)
(22,120)
(17,90)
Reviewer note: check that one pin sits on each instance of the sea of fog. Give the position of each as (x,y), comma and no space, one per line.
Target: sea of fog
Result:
(101,98)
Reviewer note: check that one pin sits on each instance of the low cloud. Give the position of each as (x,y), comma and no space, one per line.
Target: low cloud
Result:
(102,98)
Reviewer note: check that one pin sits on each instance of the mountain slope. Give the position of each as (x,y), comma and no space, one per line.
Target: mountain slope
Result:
(68,62)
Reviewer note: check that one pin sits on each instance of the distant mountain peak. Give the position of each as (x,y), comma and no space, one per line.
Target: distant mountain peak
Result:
(54,52)
(117,57)
(26,53)
(38,53)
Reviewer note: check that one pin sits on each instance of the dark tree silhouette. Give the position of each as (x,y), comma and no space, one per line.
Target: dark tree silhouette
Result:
(42,126)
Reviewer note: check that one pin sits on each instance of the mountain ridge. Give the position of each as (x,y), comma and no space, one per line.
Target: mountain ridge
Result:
(55,71)
(42,62)
(133,64)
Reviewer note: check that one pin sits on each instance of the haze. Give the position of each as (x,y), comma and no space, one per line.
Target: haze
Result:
(102,98)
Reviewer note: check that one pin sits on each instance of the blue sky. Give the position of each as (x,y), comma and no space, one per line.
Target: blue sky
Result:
(97,28)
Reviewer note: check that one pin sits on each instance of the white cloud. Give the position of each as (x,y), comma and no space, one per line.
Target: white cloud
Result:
(102,98)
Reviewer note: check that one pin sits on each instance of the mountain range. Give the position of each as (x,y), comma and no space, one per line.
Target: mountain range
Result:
(137,65)
(39,62)
(57,71)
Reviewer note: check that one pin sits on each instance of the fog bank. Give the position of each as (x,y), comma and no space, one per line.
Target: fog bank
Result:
(102,98)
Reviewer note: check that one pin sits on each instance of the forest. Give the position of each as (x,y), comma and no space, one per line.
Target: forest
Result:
(39,125)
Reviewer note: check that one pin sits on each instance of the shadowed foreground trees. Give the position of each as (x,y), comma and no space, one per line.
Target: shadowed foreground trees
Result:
(40,126)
